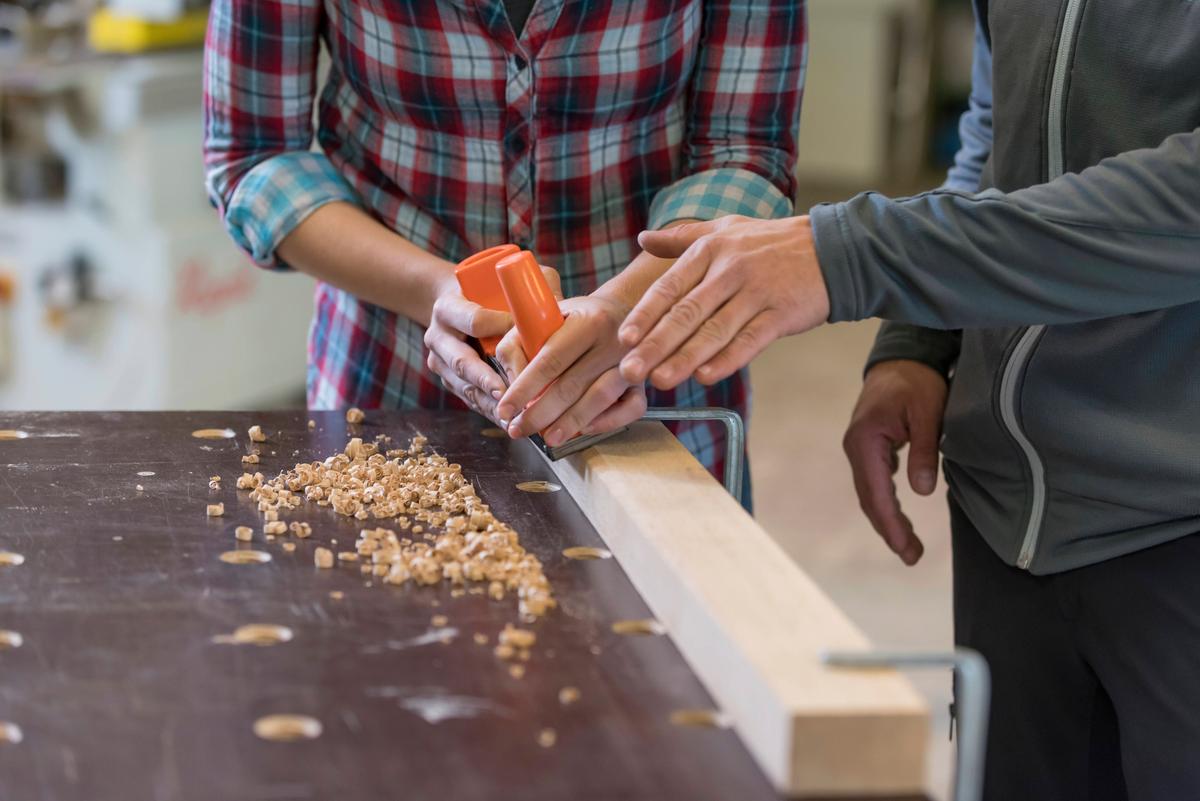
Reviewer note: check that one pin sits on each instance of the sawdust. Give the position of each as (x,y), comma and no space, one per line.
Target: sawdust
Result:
(10,640)
(568,695)
(10,733)
(423,494)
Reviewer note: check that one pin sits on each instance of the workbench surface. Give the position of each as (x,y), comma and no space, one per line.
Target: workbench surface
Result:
(122,695)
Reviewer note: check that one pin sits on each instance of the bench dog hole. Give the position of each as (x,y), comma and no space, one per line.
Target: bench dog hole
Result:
(287,728)
(246,557)
(700,718)
(213,433)
(538,486)
(637,627)
(256,634)
(586,552)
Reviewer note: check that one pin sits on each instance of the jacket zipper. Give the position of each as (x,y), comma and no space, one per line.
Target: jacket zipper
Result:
(1018,360)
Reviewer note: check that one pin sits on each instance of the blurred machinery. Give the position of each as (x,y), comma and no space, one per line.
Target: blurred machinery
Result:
(866,97)
(118,285)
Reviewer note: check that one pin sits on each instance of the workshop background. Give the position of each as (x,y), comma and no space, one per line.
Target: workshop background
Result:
(120,290)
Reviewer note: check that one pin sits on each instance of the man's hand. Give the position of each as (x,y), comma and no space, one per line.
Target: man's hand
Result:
(577,369)
(901,402)
(737,285)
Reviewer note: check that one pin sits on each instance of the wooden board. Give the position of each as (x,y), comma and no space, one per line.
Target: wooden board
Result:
(749,621)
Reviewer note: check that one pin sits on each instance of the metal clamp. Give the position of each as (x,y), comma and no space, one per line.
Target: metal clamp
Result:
(735,437)
(973,693)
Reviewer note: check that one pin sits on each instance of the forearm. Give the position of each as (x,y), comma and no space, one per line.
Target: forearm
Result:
(342,245)
(627,287)
(1118,238)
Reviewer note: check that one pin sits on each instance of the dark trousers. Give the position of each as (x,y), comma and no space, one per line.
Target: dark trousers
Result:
(1096,672)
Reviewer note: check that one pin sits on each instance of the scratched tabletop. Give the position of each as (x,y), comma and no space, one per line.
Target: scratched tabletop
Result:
(121,693)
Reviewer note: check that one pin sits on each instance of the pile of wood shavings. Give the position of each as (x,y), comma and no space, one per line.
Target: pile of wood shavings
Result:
(419,491)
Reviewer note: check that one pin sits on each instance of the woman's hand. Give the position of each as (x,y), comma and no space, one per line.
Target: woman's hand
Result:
(737,285)
(577,369)
(460,367)
(454,360)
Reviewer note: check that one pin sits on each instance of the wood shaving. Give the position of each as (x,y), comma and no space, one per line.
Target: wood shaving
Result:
(256,434)
(214,482)
(139,488)
(275,527)
(300,529)
(568,695)
(243,533)
(516,671)
(480,638)
(437,621)
(250,458)
(463,543)
(289,546)
(270,516)
(547,738)
(215,509)
(355,415)
(517,638)
(312,424)
(323,557)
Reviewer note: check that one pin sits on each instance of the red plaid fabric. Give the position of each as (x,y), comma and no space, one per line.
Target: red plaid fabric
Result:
(604,117)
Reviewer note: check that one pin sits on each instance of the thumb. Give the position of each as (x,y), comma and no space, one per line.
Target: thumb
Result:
(924,431)
(670,243)
(554,280)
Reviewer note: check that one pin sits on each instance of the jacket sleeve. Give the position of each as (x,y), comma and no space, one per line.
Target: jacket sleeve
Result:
(939,349)
(1119,238)
(260,64)
(743,114)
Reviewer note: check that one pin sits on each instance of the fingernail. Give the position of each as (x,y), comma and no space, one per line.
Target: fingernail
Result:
(504,413)
(630,332)
(504,423)
(554,437)
(926,481)
(634,366)
(497,394)
(704,372)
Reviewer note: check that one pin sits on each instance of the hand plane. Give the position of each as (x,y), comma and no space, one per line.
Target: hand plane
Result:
(506,278)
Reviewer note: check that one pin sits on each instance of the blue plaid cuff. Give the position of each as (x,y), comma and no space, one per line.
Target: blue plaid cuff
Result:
(276,196)
(716,193)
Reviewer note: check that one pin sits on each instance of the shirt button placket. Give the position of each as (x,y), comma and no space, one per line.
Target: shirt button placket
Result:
(518,150)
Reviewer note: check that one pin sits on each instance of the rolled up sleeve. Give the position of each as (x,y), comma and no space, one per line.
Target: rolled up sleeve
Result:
(259,79)
(744,114)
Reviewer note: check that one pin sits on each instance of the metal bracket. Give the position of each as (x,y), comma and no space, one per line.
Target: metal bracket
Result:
(973,693)
(735,437)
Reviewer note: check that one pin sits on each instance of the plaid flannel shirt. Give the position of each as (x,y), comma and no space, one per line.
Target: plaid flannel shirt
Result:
(604,117)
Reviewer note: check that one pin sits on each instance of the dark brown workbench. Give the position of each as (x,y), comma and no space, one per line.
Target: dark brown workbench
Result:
(122,696)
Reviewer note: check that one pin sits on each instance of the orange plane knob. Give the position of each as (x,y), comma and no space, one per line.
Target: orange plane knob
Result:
(477,277)
(533,305)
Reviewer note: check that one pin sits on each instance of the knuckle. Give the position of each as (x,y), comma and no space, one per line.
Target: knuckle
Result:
(459,365)
(667,286)
(713,330)
(685,313)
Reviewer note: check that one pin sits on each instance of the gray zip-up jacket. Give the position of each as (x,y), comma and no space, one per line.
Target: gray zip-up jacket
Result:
(1072,433)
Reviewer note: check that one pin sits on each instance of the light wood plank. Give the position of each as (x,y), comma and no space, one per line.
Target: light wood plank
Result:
(749,621)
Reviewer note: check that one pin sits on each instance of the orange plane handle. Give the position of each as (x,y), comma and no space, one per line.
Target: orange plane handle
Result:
(477,278)
(532,303)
